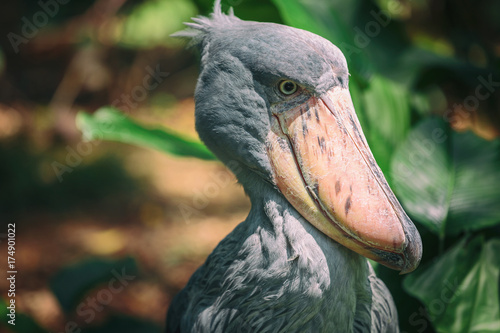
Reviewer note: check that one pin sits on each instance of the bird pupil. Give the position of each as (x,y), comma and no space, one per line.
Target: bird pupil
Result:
(289,86)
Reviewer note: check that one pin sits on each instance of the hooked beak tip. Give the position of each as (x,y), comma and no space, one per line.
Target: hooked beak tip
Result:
(413,252)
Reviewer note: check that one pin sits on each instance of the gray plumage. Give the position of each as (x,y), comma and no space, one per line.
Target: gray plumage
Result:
(275,272)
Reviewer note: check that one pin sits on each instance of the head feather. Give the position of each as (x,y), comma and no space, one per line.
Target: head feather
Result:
(202,26)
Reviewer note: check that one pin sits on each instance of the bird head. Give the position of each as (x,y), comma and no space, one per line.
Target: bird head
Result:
(272,102)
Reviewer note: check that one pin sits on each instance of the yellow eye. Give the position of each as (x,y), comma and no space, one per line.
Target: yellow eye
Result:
(288,87)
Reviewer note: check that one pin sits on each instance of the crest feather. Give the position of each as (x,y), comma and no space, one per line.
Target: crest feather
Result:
(203,25)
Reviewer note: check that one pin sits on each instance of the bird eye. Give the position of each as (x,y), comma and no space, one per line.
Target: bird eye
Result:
(287,87)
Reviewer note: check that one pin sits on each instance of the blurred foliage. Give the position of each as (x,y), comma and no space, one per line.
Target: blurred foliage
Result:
(30,176)
(152,22)
(448,181)
(379,126)
(70,284)
(125,324)
(460,287)
(110,124)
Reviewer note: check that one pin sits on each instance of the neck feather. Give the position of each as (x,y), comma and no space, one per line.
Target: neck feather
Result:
(277,272)
(299,265)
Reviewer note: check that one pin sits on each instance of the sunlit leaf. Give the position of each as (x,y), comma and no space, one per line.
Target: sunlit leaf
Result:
(110,124)
(152,22)
(71,283)
(448,181)
(460,289)
(440,47)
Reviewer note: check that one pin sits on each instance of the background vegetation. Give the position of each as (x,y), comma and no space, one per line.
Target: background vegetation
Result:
(108,233)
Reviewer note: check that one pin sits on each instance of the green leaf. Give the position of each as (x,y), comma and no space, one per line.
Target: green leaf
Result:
(71,283)
(110,124)
(386,114)
(460,289)
(422,174)
(448,181)
(475,202)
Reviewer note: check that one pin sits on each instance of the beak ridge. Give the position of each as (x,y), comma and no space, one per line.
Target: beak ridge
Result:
(324,167)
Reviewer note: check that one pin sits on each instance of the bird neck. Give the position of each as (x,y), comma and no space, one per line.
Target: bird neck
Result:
(272,214)
(283,252)
(292,241)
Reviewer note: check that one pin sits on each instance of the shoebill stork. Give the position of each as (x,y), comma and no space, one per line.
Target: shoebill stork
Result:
(272,103)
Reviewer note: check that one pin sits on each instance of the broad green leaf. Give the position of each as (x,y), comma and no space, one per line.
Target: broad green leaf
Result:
(475,202)
(386,113)
(422,174)
(460,289)
(71,283)
(110,124)
(448,181)
(357,101)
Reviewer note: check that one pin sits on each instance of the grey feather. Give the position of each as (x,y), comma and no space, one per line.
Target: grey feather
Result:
(275,272)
